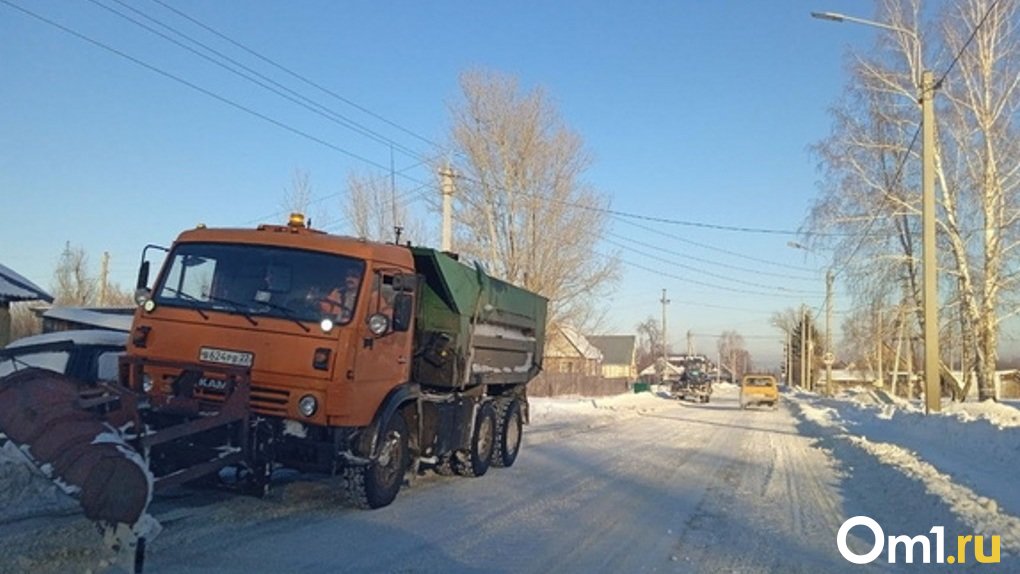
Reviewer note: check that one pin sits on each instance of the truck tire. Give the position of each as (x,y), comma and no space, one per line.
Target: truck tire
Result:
(476,461)
(376,484)
(509,427)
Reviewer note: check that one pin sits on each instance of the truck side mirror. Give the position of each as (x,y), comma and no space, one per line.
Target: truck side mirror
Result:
(143,276)
(403,306)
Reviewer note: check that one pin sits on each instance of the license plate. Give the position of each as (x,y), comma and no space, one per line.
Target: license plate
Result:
(225,357)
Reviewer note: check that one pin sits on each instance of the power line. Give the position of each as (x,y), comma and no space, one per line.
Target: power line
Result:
(263,81)
(200,89)
(416,193)
(696,282)
(709,261)
(742,336)
(966,44)
(895,182)
(714,248)
(650,218)
(296,75)
(708,273)
(321,199)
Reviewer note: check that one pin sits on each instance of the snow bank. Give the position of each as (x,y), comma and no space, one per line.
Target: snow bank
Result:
(967,455)
(26,492)
(556,417)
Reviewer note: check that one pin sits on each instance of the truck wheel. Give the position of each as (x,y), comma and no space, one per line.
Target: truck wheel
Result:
(478,458)
(509,427)
(376,485)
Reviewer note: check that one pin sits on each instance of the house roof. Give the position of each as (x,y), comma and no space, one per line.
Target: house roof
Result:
(114,318)
(577,343)
(667,369)
(616,349)
(15,287)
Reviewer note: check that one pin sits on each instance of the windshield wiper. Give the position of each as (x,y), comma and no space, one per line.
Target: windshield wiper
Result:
(239,307)
(287,312)
(189,297)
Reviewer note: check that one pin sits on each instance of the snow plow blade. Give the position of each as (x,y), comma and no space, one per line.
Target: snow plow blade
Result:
(48,417)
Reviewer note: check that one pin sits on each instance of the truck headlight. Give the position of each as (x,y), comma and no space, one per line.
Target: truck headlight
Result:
(146,383)
(378,324)
(326,325)
(308,405)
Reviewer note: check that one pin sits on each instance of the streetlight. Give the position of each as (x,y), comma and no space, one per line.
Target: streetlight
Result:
(926,97)
(828,358)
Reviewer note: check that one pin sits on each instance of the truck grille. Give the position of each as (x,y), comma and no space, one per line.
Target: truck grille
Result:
(269,401)
(264,401)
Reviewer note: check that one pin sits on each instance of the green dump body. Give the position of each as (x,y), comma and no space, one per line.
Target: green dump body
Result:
(473,329)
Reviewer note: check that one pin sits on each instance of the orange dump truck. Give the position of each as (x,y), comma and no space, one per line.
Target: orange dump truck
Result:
(287,346)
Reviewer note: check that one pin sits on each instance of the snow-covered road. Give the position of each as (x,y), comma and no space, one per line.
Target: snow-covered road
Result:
(634,483)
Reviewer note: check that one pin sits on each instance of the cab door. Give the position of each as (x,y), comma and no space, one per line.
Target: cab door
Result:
(383,359)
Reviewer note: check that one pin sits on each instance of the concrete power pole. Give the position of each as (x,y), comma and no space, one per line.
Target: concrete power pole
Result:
(828,359)
(104,278)
(803,348)
(447,190)
(664,302)
(932,388)
(881,345)
(789,357)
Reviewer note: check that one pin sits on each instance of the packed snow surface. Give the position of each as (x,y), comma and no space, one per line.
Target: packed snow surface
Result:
(633,483)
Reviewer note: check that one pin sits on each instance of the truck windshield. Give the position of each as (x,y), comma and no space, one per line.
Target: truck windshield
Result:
(259,280)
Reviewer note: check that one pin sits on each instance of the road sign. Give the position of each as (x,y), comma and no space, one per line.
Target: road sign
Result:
(828,358)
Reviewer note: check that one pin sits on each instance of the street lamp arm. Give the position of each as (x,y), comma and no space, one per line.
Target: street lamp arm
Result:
(835,17)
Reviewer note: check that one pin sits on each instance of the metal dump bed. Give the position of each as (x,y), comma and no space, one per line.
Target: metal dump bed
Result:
(474,329)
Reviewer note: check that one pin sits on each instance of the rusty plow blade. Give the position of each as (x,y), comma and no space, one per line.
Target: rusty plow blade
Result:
(45,415)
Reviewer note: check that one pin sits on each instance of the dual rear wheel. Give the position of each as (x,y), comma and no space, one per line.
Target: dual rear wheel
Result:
(495,441)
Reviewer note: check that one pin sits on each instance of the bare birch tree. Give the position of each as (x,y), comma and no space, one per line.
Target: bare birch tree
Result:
(299,197)
(72,282)
(521,205)
(733,353)
(650,342)
(375,209)
(870,187)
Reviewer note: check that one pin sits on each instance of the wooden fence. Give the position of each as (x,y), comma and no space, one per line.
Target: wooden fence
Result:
(566,384)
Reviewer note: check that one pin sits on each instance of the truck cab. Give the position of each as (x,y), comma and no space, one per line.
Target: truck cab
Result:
(311,315)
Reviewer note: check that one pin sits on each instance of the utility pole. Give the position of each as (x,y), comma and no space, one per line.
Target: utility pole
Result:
(104,278)
(803,348)
(828,358)
(881,344)
(789,356)
(932,388)
(447,190)
(690,344)
(664,302)
(926,97)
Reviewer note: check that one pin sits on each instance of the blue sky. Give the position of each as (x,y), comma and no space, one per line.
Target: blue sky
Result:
(694,111)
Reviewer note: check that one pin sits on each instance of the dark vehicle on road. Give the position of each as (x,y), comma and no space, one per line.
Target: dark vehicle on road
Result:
(694,385)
